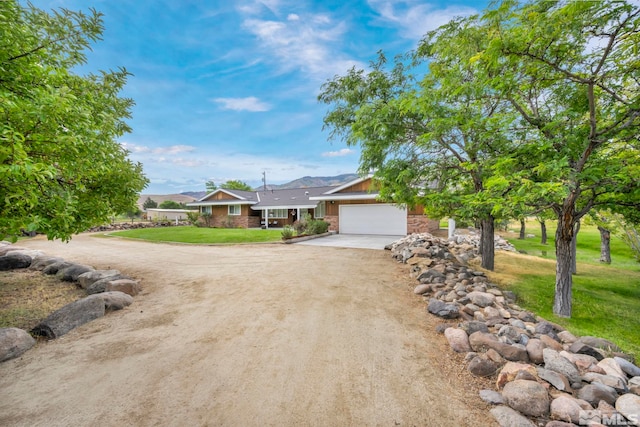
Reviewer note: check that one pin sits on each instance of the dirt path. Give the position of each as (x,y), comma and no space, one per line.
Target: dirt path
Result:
(257,335)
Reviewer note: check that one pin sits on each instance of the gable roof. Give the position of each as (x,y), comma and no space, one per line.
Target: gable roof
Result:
(338,193)
(289,198)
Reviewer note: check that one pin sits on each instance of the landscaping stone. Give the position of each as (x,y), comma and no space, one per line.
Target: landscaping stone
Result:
(627,367)
(442,309)
(555,362)
(127,286)
(90,277)
(507,417)
(71,273)
(595,392)
(565,408)
(629,406)
(14,342)
(69,317)
(41,261)
(13,261)
(54,267)
(113,300)
(458,340)
(546,370)
(491,397)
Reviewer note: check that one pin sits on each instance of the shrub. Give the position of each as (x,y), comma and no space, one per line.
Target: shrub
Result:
(193,218)
(287,232)
(317,226)
(299,226)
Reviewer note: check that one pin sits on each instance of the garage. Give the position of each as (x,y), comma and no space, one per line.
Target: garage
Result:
(382,219)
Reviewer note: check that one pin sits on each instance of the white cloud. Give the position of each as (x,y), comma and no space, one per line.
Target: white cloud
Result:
(308,42)
(172,149)
(250,103)
(415,19)
(340,153)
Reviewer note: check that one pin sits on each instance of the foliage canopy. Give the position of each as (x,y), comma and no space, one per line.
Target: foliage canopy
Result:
(61,169)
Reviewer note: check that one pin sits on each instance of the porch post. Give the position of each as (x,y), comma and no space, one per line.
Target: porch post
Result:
(298,214)
(266,218)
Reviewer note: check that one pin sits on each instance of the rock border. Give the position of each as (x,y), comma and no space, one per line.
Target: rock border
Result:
(545,376)
(107,290)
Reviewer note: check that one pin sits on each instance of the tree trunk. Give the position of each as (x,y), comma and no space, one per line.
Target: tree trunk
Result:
(574,249)
(605,245)
(564,264)
(522,229)
(543,232)
(486,242)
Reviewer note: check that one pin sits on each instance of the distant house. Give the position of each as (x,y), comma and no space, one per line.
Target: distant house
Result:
(351,208)
(157,214)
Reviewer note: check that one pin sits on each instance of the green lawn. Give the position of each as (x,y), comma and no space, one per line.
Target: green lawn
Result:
(202,235)
(606,298)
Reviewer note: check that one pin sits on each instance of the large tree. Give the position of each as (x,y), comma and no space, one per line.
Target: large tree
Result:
(234,184)
(571,70)
(432,139)
(61,168)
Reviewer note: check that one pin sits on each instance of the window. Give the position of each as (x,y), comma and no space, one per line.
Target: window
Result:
(320,210)
(277,213)
(234,209)
(206,209)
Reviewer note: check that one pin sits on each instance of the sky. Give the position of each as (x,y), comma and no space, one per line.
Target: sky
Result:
(227,89)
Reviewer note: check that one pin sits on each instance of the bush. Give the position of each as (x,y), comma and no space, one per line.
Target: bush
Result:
(317,226)
(193,218)
(287,232)
(300,226)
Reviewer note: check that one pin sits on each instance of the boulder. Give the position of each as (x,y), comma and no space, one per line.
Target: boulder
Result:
(567,337)
(555,362)
(127,286)
(628,367)
(113,300)
(491,397)
(556,379)
(458,340)
(14,342)
(442,309)
(41,261)
(613,381)
(549,342)
(421,289)
(534,350)
(511,370)
(482,366)
(14,261)
(565,408)
(474,326)
(54,267)
(595,392)
(507,417)
(69,317)
(71,273)
(629,406)
(600,343)
(482,299)
(527,397)
(90,277)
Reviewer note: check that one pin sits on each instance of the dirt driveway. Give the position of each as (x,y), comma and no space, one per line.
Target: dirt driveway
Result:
(250,335)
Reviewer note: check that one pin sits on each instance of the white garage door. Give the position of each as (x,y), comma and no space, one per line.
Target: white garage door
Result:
(373,219)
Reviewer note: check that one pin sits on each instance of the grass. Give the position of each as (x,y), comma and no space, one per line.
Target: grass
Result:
(27,297)
(202,235)
(606,298)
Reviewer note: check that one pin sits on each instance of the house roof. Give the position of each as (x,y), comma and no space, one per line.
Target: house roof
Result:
(289,198)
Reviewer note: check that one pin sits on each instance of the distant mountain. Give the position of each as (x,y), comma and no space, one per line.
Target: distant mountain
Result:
(159,198)
(316,181)
(197,195)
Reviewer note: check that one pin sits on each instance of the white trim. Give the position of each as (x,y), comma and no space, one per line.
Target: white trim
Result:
(346,185)
(221,203)
(260,208)
(223,190)
(371,196)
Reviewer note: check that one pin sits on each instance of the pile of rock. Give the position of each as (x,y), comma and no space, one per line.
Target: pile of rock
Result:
(544,374)
(135,225)
(107,290)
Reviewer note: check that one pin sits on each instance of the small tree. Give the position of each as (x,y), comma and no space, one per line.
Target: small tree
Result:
(150,204)
(236,185)
(171,204)
(210,186)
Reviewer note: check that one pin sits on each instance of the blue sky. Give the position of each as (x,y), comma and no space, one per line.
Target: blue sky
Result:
(228,89)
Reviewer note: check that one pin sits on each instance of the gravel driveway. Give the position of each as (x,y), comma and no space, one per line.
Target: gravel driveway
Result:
(248,335)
